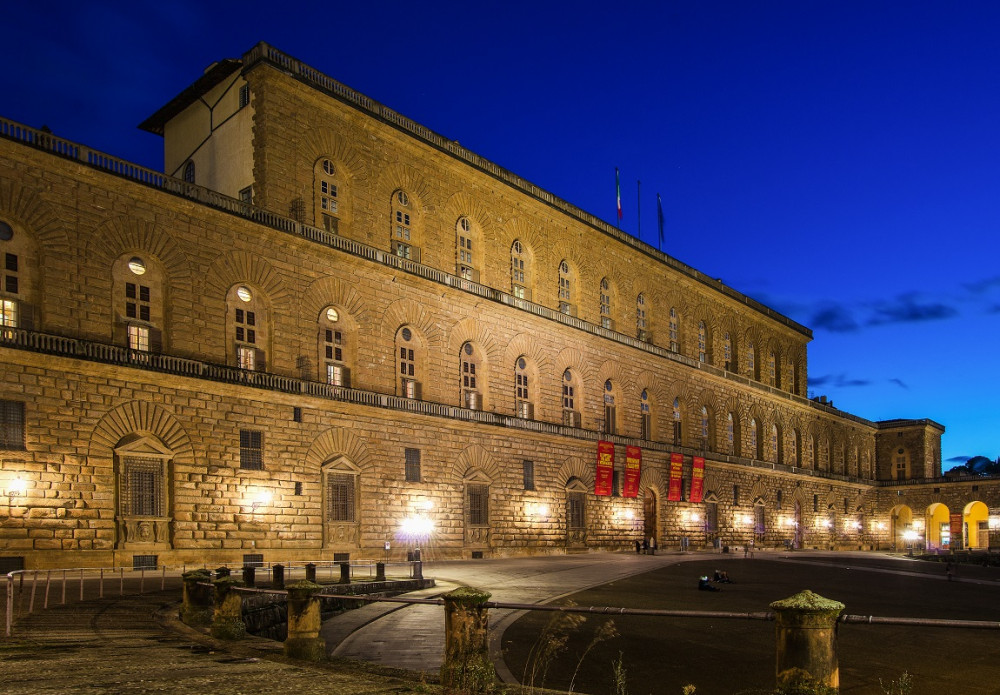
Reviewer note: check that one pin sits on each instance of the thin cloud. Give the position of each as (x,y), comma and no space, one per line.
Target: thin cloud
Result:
(839,381)
(982,286)
(959,459)
(834,318)
(906,309)
(900,383)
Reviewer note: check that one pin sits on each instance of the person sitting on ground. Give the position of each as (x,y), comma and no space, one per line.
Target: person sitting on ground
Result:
(717,577)
(724,578)
(705,585)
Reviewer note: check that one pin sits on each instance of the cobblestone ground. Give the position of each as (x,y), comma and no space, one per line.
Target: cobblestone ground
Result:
(122,645)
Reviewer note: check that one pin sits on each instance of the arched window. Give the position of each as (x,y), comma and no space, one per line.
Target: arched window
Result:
(772,375)
(610,419)
(570,402)
(248,322)
(675,339)
(704,429)
(189,171)
(759,518)
(795,447)
(341,510)
(333,338)
(520,270)
(477,508)
(576,511)
(727,352)
(566,287)
(470,360)
(730,434)
(645,417)
(702,342)
(523,395)
(777,444)
(712,516)
(327,195)
(755,440)
(824,454)
(641,327)
(467,249)
(777,381)
(677,420)
(138,293)
(404,231)
(408,357)
(752,362)
(606,320)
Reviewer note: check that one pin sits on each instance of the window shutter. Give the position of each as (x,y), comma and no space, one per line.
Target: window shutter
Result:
(260,363)
(155,340)
(416,391)
(25,316)
(346,372)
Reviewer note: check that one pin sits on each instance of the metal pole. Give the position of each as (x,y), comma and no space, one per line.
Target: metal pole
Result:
(101,590)
(121,581)
(34,583)
(163,579)
(64,588)
(81,585)
(48,581)
(10,603)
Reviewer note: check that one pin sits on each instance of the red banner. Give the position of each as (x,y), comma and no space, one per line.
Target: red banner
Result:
(633,468)
(697,479)
(605,468)
(676,477)
(955,526)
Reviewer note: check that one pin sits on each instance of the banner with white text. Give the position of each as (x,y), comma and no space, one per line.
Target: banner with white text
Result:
(633,469)
(676,477)
(697,479)
(605,468)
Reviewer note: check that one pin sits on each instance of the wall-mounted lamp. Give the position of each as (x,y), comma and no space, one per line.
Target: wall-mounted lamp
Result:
(537,510)
(261,499)
(17,488)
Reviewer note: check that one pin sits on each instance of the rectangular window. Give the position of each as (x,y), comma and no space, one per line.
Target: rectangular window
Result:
(253,560)
(251,450)
(12,425)
(479,504)
(246,357)
(575,513)
(244,95)
(8,313)
(712,517)
(340,497)
(815,503)
(412,458)
(142,487)
(145,562)
(736,494)
(528,468)
(246,195)
(138,338)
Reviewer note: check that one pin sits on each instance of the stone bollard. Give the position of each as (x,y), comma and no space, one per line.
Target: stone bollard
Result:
(249,575)
(221,572)
(304,623)
(197,607)
(345,573)
(806,640)
(311,572)
(278,577)
(227,621)
(380,571)
(467,666)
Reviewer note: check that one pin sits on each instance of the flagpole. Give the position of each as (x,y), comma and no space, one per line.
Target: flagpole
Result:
(638,209)
(618,197)
(659,220)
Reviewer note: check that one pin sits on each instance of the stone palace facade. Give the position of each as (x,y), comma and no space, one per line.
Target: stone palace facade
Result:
(325,329)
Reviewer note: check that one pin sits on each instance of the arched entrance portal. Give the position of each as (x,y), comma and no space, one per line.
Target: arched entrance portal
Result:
(902,526)
(650,524)
(938,520)
(976,526)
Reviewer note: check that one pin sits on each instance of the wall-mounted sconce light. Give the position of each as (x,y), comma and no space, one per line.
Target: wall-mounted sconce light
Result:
(262,498)
(17,488)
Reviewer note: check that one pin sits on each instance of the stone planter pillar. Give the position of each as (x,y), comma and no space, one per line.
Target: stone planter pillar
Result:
(278,577)
(380,571)
(345,573)
(227,621)
(197,608)
(311,572)
(467,666)
(304,622)
(806,640)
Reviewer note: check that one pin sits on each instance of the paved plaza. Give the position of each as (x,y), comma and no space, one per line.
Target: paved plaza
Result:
(119,644)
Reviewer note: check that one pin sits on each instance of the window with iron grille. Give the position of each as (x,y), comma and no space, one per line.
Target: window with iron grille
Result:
(412,457)
(712,517)
(12,425)
(575,510)
(145,562)
(759,524)
(253,560)
(251,450)
(340,497)
(529,474)
(142,487)
(479,504)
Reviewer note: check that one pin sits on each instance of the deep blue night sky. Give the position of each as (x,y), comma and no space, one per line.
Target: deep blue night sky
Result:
(836,160)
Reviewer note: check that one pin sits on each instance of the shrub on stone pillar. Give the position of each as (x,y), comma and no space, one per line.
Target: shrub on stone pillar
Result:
(806,641)
(197,609)
(227,620)
(304,622)
(467,668)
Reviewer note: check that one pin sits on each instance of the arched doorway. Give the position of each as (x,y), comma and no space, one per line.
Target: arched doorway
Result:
(650,521)
(976,526)
(902,525)
(938,531)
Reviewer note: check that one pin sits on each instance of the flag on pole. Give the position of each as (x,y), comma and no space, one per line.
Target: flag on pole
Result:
(618,195)
(659,218)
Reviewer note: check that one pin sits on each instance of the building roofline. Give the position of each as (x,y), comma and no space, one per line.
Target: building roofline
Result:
(905,422)
(213,75)
(264,53)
